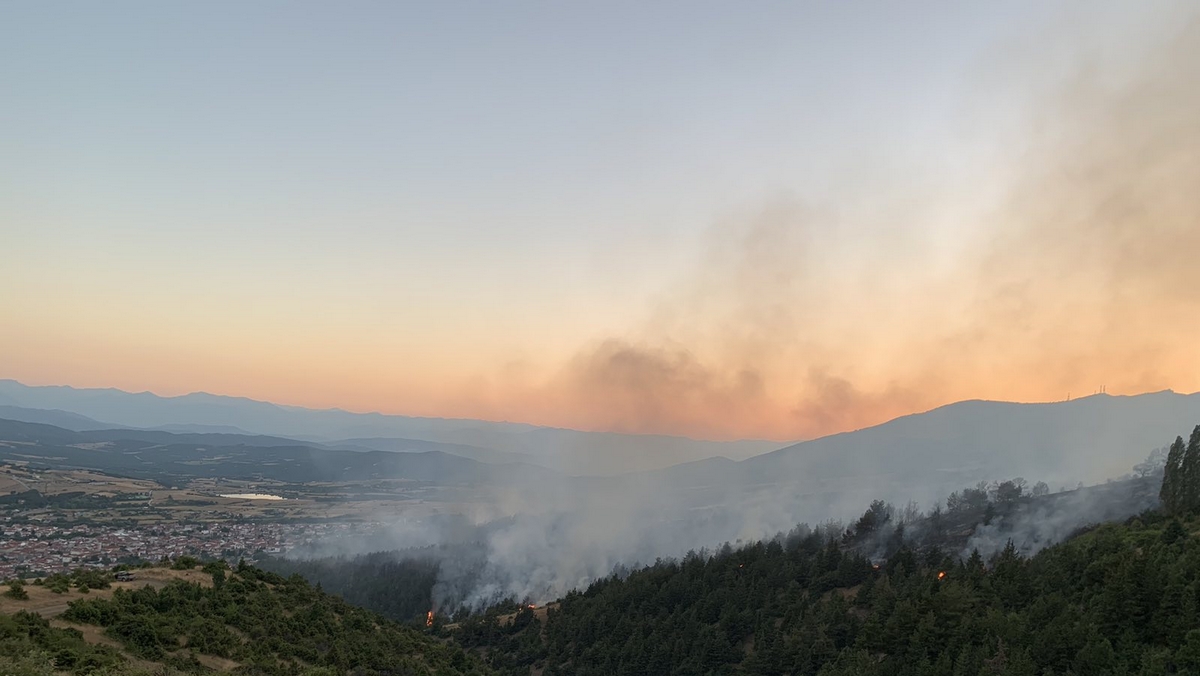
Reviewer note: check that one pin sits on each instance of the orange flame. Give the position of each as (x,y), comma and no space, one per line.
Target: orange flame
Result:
(941,575)
(532,606)
(429,619)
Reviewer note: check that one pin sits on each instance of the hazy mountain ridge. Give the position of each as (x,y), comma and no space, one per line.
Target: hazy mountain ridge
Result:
(1089,439)
(398,445)
(225,435)
(56,417)
(566,451)
(166,457)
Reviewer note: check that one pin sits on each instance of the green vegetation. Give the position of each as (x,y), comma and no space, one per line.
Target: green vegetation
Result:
(266,623)
(249,621)
(1181,477)
(81,578)
(1121,599)
(393,586)
(16,590)
(33,499)
(29,646)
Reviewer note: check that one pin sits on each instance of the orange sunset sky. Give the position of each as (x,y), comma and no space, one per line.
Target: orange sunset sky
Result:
(673,219)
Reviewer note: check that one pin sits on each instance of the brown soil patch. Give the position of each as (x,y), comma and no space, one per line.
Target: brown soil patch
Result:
(217,663)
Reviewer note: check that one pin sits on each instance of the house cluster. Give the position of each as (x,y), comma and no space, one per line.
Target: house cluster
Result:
(46,548)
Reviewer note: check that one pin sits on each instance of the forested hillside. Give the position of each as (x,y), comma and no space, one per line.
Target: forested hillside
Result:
(248,621)
(1121,599)
(1117,599)
(398,585)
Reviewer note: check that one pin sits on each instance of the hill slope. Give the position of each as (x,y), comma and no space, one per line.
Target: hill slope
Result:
(1120,599)
(244,620)
(926,455)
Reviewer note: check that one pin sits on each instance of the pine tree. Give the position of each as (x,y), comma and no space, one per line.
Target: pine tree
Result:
(1172,479)
(1191,473)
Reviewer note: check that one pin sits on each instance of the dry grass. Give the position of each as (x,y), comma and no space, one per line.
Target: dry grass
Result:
(10,485)
(215,663)
(48,604)
(52,482)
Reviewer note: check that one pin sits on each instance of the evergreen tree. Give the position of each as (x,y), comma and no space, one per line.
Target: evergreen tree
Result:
(1172,477)
(1190,473)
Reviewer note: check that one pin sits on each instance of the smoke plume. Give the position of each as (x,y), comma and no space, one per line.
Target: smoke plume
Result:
(1071,266)
(1070,269)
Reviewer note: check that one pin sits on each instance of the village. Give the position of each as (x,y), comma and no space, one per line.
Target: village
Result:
(38,549)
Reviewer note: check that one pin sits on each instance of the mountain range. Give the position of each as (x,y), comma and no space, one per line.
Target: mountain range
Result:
(570,452)
(1088,439)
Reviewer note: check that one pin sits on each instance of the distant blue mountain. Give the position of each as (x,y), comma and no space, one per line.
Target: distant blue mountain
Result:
(568,451)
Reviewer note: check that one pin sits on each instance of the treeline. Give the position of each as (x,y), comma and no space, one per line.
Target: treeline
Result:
(35,499)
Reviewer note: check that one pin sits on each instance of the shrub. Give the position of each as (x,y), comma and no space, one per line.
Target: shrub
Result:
(16,590)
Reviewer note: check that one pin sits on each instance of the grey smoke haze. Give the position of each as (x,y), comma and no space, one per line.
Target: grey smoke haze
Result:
(1034,527)
(539,542)
(808,316)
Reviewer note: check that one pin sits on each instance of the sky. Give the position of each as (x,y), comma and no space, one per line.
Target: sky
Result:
(714,219)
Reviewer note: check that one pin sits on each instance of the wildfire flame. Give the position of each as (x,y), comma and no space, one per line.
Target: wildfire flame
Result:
(941,575)
(532,606)
(429,619)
